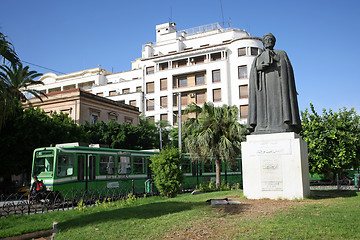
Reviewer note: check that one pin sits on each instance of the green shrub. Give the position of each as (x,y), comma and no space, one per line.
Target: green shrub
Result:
(224,187)
(167,173)
(211,187)
(81,206)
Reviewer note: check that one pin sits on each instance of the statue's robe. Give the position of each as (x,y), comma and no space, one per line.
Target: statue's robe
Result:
(273,105)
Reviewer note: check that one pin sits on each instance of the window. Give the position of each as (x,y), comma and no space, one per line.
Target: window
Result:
(151,118)
(217,95)
(243,91)
(94,118)
(184,99)
(65,165)
(124,165)
(242,72)
(100,94)
(200,97)
(163,84)
(241,52)
(197,60)
(54,90)
(180,63)
(139,165)
(254,51)
(163,117)
(44,162)
(163,102)
(175,100)
(150,105)
(69,87)
(138,88)
(200,79)
(163,66)
(208,166)
(132,103)
(126,90)
(175,118)
(128,120)
(183,81)
(149,70)
(86,85)
(244,111)
(235,166)
(113,116)
(216,76)
(185,167)
(216,56)
(150,87)
(112,93)
(106,165)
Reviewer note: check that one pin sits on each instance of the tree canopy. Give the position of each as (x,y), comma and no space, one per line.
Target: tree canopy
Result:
(333,140)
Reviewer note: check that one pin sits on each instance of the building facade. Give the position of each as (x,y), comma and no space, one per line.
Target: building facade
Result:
(202,64)
(83,106)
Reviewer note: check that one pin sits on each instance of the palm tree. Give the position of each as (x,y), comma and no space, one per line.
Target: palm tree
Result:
(16,79)
(14,82)
(7,55)
(214,133)
(7,52)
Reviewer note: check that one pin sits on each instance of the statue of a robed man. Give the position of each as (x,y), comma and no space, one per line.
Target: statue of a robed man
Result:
(273,106)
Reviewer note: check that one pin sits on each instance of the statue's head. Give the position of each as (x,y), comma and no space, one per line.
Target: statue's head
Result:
(269,41)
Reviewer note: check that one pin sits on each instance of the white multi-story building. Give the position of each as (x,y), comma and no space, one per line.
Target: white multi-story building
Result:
(203,64)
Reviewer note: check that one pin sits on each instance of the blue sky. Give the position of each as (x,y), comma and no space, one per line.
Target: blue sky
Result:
(320,36)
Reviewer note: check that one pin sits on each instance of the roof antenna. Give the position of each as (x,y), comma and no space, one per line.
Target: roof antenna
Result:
(222,13)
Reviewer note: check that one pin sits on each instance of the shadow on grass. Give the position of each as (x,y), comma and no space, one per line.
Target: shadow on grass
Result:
(324,194)
(145,211)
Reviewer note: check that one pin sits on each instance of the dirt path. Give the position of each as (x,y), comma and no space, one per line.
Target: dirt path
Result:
(219,227)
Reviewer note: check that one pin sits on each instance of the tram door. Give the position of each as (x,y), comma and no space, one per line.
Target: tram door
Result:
(90,170)
(81,171)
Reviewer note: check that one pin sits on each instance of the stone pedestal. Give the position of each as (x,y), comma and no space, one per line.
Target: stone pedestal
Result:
(275,166)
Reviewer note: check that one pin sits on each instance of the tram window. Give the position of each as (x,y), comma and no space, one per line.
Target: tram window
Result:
(208,167)
(124,165)
(185,167)
(65,165)
(139,165)
(234,167)
(106,165)
(43,165)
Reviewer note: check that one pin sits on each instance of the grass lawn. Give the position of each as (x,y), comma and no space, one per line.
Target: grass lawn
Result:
(327,215)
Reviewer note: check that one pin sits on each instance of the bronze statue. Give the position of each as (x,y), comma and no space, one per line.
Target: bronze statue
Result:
(273,106)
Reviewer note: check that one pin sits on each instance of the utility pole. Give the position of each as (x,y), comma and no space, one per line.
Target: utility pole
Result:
(160,136)
(179,120)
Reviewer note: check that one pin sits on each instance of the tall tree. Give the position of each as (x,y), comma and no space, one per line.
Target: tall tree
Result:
(7,51)
(333,140)
(7,55)
(214,133)
(17,79)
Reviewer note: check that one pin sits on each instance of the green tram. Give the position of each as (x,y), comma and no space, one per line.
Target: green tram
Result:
(76,166)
